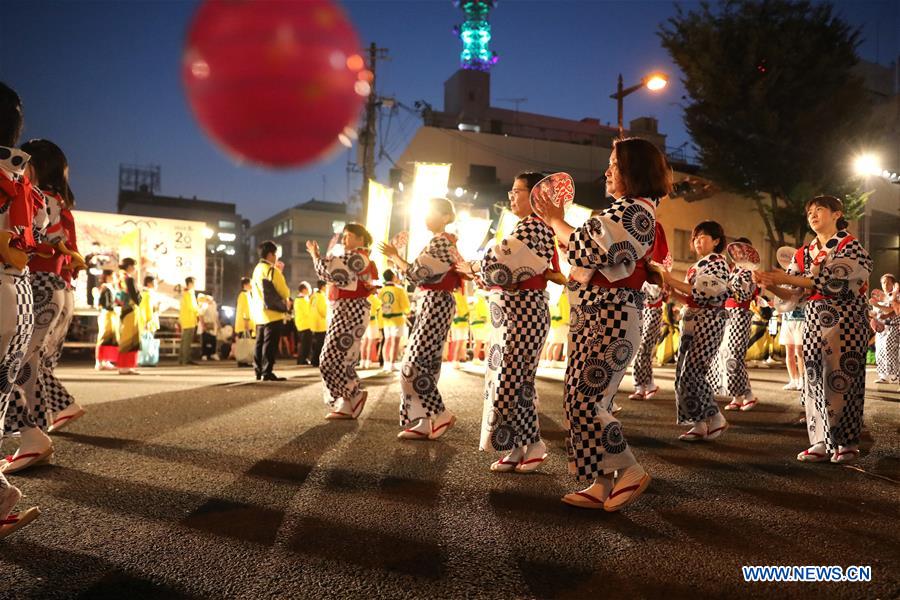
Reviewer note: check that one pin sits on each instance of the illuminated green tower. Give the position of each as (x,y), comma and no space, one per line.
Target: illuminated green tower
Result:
(475,34)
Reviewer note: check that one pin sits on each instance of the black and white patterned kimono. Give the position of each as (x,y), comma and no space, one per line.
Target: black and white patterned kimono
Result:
(352,276)
(702,327)
(887,343)
(835,339)
(16,303)
(52,394)
(422,359)
(520,321)
(731,368)
(604,328)
(48,292)
(651,319)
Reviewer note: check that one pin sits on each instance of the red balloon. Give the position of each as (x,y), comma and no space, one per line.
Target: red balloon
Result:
(274,83)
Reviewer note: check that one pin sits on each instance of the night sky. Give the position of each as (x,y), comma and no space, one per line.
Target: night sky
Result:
(102,80)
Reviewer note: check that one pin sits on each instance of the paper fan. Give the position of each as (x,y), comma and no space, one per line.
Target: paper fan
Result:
(559,188)
(400,241)
(743,255)
(785,255)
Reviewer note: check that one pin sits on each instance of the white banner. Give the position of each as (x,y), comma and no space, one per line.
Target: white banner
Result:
(168,249)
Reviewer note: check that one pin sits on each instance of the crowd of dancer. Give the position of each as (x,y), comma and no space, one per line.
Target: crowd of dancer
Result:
(615,296)
(607,318)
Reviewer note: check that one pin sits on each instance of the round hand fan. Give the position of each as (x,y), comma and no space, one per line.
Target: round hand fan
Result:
(785,255)
(559,188)
(743,255)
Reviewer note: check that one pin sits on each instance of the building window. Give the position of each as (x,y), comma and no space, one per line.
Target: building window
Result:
(283,227)
(482,174)
(682,247)
(226,224)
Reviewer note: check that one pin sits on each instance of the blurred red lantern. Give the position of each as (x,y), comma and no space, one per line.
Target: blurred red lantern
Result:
(274,83)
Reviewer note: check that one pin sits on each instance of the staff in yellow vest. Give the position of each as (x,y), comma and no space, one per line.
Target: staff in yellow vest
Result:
(187,318)
(559,332)
(243,317)
(318,321)
(372,336)
(303,323)
(670,335)
(459,329)
(480,324)
(148,309)
(270,303)
(394,308)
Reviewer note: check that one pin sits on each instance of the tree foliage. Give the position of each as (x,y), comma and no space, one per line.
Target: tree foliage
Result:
(773,101)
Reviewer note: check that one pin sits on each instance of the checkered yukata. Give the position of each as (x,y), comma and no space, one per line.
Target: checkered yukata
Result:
(651,319)
(731,370)
(702,328)
(20,215)
(422,359)
(520,320)
(835,339)
(604,328)
(353,272)
(887,341)
(51,392)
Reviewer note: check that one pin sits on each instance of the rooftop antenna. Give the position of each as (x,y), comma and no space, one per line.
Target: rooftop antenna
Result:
(515,101)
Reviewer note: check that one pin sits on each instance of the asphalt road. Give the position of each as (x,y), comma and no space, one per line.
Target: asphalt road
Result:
(194,483)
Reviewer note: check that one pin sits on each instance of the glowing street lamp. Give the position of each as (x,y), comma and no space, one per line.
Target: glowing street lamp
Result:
(653,82)
(656,82)
(867,164)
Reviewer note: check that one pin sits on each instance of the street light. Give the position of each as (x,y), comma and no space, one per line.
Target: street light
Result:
(867,164)
(653,82)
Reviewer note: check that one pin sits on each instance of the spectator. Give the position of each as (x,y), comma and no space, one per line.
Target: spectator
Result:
(302,323)
(187,318)
(318,323)
(270,298)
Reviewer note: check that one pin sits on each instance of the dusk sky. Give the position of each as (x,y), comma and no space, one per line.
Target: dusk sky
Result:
(102,80)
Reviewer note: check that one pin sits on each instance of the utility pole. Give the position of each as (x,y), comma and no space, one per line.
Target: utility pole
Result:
(367,136)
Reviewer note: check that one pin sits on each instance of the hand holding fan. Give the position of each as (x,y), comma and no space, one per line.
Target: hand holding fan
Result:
(559,189)
(743,255)
(400,241)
